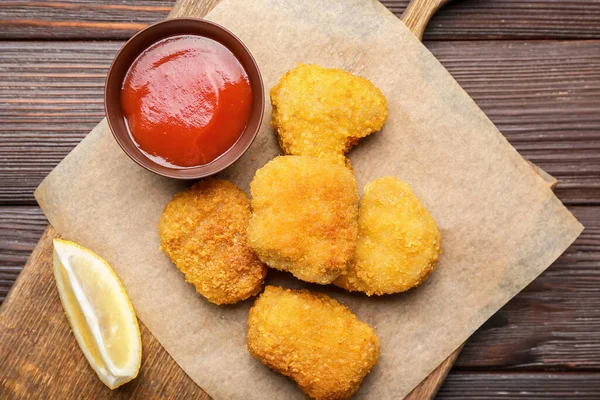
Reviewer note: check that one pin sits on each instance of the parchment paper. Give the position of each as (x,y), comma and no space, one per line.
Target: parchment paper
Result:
(501,226)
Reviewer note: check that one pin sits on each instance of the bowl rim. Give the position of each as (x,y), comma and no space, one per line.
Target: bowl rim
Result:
(229,157)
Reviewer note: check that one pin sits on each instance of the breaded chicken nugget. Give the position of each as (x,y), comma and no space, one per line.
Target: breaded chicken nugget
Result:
(304,217)
(312,339)
(203,231)
(398,241)
(323,112)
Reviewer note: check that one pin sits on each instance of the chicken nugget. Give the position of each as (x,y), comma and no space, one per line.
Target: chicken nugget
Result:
(398,241)
(304,217)
(203,231)
(323,112)
(312,339)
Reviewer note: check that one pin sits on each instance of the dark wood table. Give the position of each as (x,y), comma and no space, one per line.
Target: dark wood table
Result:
(532,65)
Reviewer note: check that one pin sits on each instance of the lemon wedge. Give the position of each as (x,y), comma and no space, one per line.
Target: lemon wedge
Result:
(99,311)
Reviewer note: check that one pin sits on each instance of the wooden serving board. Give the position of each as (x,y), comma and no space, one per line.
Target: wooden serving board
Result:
(40,355)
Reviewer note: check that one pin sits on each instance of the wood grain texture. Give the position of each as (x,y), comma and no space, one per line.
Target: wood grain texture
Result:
(431,385)
(461,19)
(511,19)
(41,357)
(544,96)
(417,14)
(20,230)
(81,19)
(526,386)
(552,325)
(185,8)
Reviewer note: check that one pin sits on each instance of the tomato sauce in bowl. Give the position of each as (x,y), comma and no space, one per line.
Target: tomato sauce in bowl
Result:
(186,100)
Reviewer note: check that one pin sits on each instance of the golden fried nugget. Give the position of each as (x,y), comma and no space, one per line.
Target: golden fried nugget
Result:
(398,241)
(203,231)
(323,112)
(312,339)
(304,217)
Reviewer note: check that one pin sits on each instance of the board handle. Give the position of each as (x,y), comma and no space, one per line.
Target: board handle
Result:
(418,13)
(197,8)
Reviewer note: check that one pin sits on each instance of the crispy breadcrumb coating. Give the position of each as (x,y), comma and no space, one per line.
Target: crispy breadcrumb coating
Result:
(323,112)
(398,241)
(304,217)
(203,231)
(312,339)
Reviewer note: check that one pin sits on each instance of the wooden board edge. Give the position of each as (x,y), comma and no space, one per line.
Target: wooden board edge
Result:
(429,387)
(48,234)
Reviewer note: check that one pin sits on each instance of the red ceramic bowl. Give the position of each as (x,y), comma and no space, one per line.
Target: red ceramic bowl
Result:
(140,42)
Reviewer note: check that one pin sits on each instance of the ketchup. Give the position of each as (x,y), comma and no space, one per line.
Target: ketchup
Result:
(187,100)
